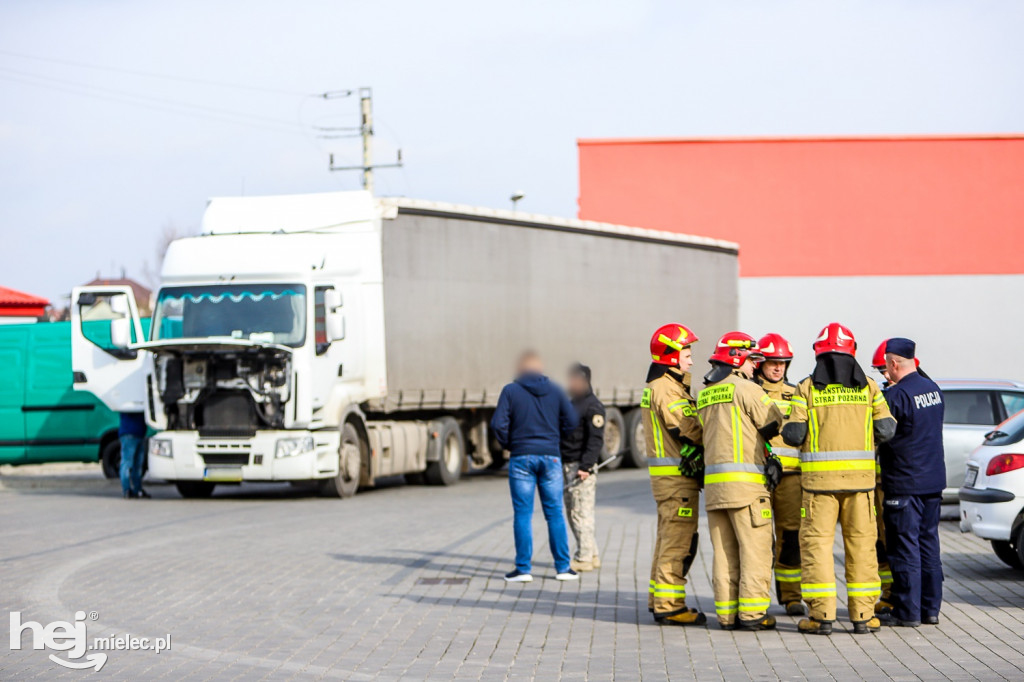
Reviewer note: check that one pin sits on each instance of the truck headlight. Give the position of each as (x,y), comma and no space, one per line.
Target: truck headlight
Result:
(289,447)
(160,448)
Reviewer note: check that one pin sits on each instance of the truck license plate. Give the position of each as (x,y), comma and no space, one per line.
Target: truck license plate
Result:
(971,477)
(223,474)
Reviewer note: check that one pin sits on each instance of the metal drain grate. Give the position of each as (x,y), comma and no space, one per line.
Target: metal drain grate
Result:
(442,581)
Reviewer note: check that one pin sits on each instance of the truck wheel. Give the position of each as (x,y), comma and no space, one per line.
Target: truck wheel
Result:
(1007,553)
(110,458)
(192,490)
(350,463)
(614,438)
(636,455)
(451,452)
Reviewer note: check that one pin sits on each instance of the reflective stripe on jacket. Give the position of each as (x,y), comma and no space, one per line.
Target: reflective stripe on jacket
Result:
(669,415)
(839,451)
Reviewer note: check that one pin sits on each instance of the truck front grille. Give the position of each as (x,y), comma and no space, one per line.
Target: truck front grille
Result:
(223,452)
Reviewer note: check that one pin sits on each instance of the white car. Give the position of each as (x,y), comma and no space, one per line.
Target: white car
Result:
(992,498)
(973,408)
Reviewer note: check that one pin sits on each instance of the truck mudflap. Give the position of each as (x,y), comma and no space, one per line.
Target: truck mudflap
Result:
(267,456)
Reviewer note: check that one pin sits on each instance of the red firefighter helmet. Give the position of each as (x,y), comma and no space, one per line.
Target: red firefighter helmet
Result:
(878,359)
(835,338)
(668,341)
(736,347)
(775,347)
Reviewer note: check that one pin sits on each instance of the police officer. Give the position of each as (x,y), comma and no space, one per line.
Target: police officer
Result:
(913,476)
(672,433)
(738,417)
(771,374)
(581,451)
(838,415)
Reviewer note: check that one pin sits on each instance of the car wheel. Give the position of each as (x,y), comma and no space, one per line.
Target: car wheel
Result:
(614,439)
(352,452)
(451,452)
(636,455)
(1007,553)
(1019,547)
(111,459)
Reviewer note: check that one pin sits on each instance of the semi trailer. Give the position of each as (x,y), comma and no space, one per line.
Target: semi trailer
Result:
(342,338)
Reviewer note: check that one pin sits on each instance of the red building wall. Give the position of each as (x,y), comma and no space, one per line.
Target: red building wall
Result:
(828,206)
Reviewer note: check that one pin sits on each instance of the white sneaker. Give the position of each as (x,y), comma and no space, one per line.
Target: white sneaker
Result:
(517,577)
(568,575)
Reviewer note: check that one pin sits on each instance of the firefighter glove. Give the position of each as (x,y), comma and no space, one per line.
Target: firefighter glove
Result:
(691,460)
(772,469)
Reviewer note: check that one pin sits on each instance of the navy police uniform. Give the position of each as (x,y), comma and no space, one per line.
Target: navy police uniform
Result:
(913,477)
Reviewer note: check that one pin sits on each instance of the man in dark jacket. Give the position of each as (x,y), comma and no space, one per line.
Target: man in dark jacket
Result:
(531,416)
(581,452)
(913,476)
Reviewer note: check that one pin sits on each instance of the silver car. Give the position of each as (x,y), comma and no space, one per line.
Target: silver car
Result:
(973,408)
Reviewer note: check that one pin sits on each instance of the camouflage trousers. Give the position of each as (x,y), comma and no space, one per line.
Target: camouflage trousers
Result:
(579,507)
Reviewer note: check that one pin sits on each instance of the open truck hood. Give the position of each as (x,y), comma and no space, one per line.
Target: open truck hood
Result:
(210,345)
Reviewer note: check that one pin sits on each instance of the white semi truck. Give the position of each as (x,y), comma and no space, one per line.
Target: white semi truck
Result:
(342,338)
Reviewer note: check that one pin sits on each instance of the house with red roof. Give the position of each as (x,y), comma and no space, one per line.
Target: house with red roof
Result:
(17,306)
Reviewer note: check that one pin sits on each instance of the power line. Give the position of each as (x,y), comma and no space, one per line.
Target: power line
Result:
(222,118)
(150,98)
(151,74)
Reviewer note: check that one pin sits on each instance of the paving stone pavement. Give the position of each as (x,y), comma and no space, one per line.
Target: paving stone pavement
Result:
(405,582)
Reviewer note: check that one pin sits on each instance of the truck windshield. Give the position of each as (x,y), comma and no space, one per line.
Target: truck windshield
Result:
(271,313)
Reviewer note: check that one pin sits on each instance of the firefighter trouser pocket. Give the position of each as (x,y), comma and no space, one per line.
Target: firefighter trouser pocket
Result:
(761,512)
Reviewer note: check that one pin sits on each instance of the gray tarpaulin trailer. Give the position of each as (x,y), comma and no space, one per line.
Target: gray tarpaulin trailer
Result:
(467,289)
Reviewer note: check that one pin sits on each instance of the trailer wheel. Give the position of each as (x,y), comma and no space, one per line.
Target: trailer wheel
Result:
(614,438)
(110,458)
(351,455)
(635,439)
(192,490)
(451,452)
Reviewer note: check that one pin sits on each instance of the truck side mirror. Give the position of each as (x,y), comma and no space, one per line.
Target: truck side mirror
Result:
(120,331)
(119,304)
(335,322)
(335,326)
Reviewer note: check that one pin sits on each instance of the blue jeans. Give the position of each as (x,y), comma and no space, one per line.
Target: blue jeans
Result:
(132,453)
(525,474)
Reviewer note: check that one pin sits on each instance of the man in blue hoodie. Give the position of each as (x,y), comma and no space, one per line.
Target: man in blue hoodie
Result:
(531,417)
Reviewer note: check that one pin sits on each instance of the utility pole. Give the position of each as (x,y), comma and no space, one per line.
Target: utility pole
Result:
(365,132)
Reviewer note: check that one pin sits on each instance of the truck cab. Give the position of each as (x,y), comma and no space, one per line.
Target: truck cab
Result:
(255,357)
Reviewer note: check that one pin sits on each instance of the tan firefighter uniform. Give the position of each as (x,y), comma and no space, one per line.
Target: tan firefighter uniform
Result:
(739,507)
(669,414)
(837,473)
(786,501)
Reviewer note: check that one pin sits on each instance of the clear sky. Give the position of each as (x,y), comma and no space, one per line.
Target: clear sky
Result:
(483,98)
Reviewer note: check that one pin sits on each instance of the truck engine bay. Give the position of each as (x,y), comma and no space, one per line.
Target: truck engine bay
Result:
(223,392)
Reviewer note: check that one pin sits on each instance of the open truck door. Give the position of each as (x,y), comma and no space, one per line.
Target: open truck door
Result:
(105,325)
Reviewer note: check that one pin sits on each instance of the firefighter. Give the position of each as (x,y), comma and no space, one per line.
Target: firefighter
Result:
(883,607)
(772,375)
(738,418)
(839,414)
(672,432)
